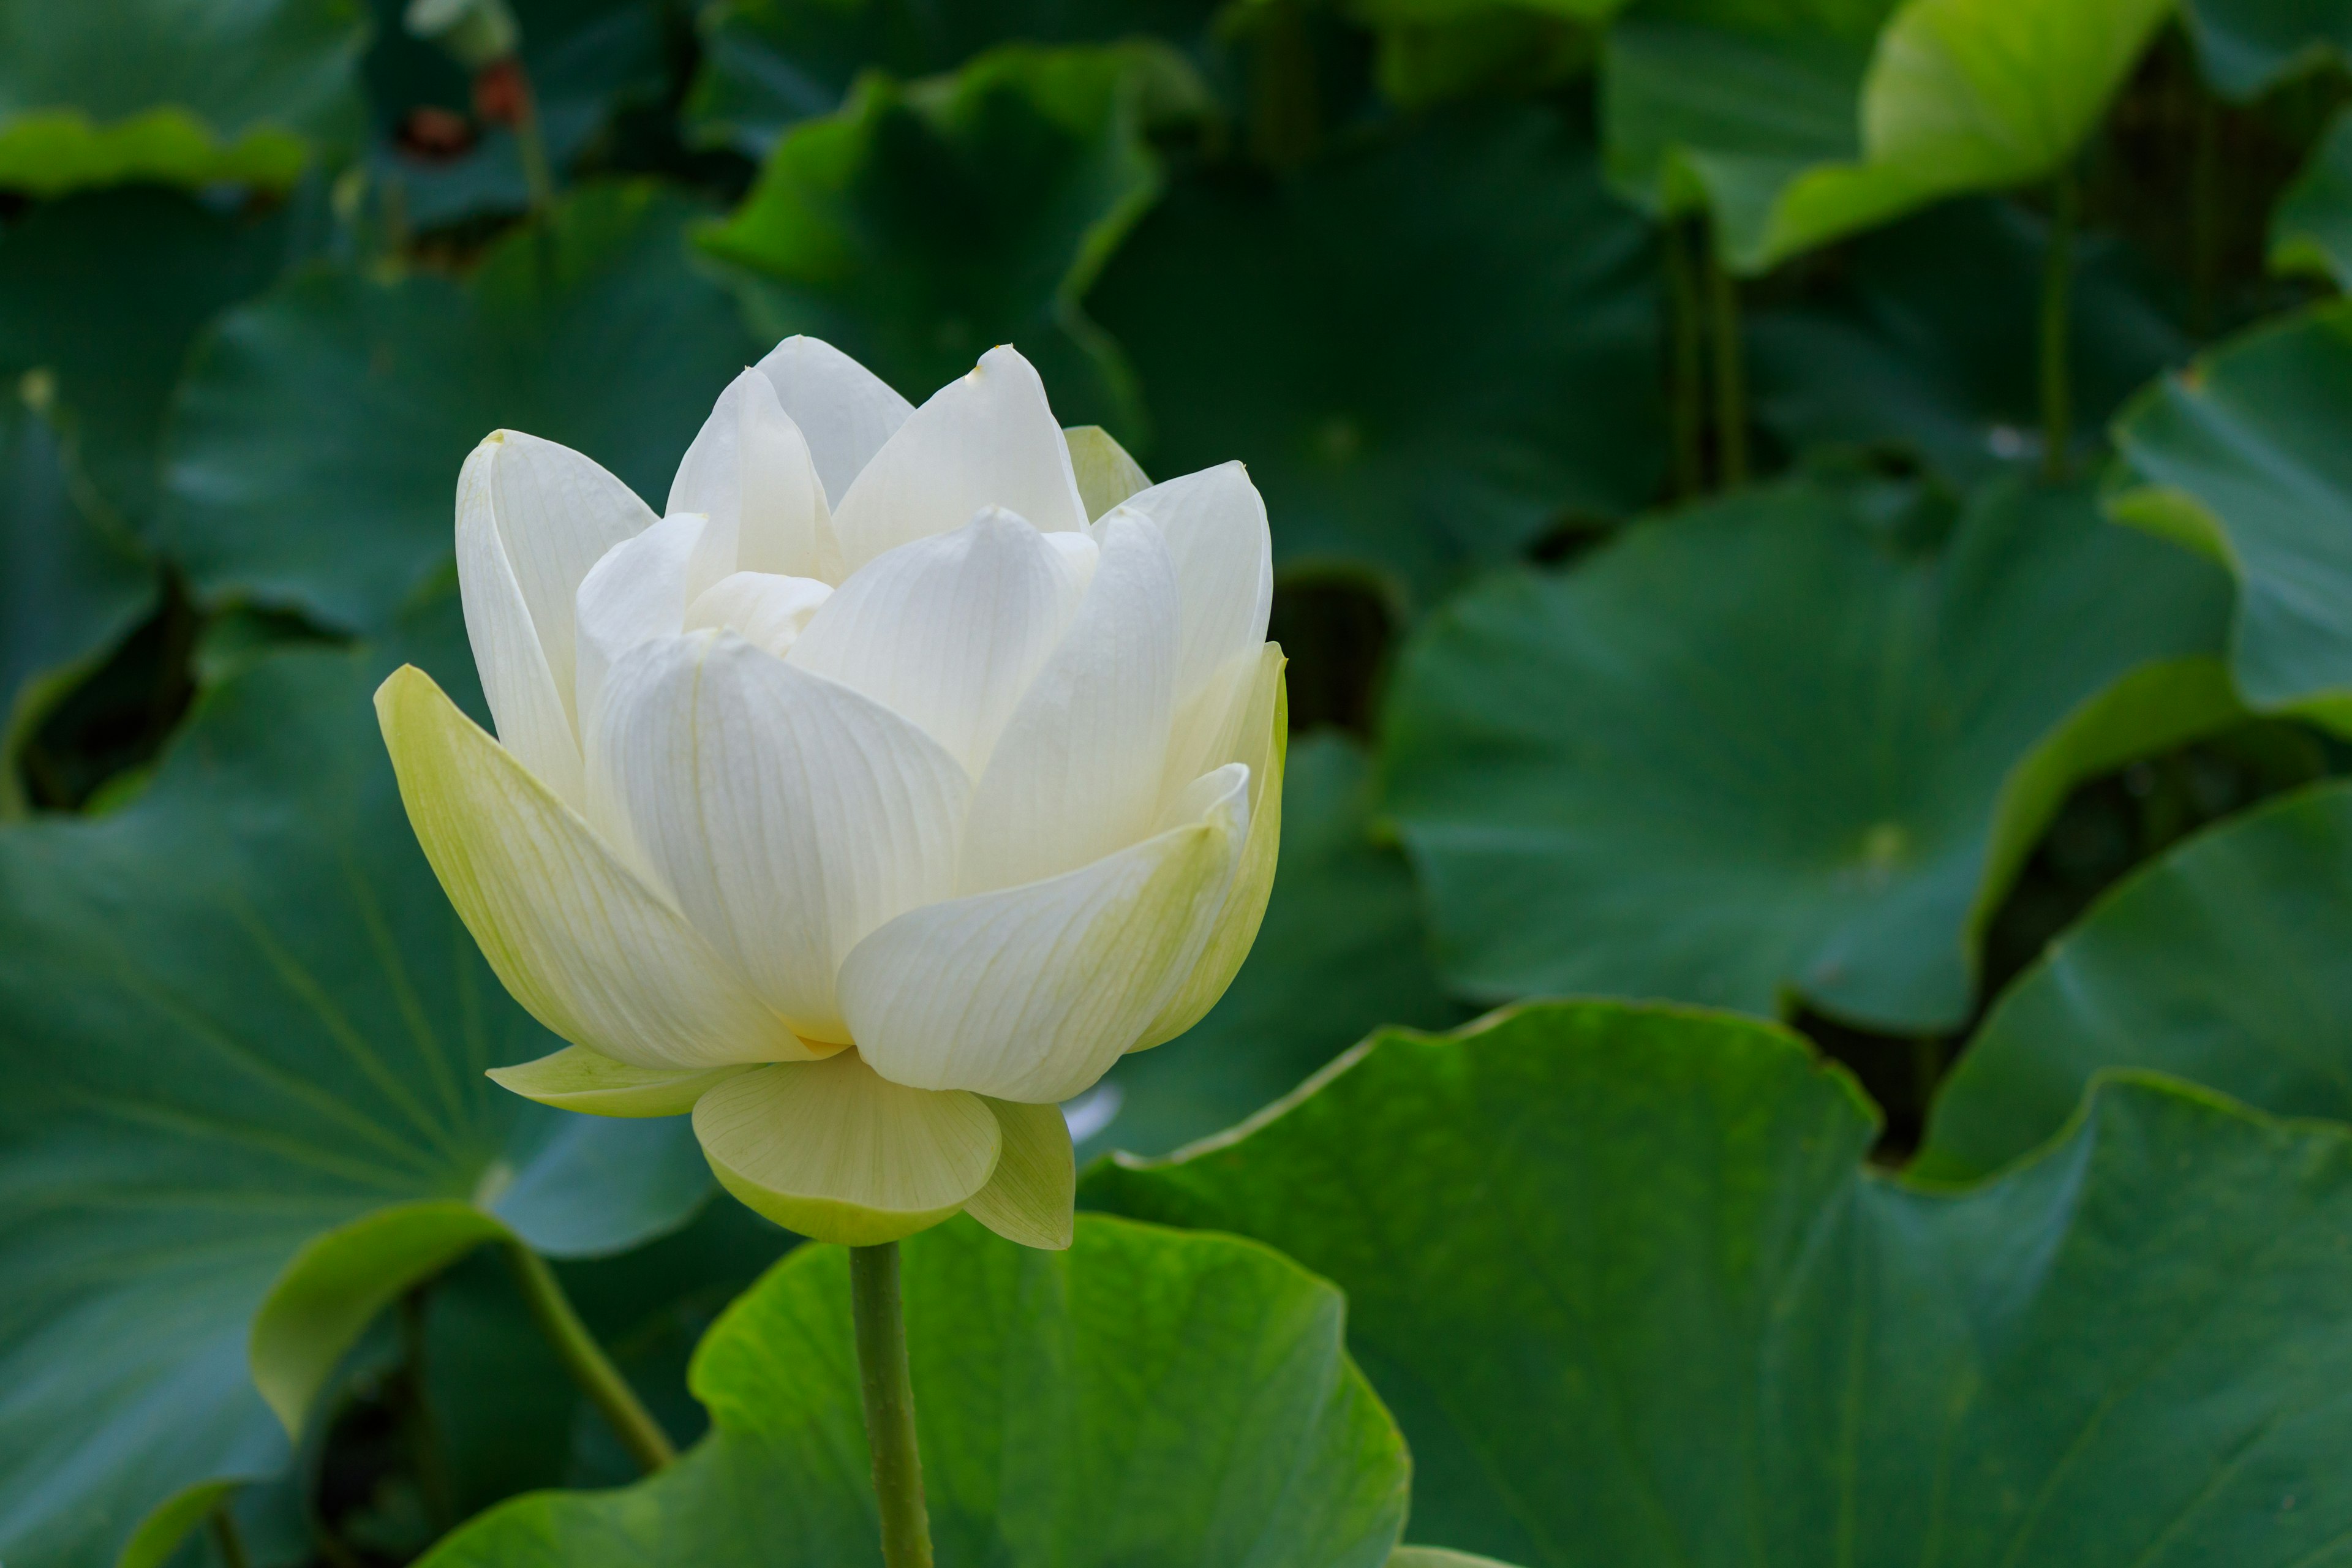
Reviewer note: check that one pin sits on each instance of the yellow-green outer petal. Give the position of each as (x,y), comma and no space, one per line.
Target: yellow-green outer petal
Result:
(1265,731)
(839,1153)
(1106,475)
(577,1078)
(1032,1195)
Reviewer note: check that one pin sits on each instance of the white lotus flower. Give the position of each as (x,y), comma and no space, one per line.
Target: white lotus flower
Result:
(917,763)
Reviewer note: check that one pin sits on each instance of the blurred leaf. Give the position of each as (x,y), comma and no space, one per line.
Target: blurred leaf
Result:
(585,59)
(1931,346)
(2312,229)
(1793,126)
(97,92)
(2247,47)
(1430,350)
(770,64)
(70,587)
(313,456)
(240,1017)
(1783,746)
(105,291)
(1341,951)
(2244,457)
(2228,963)
(1435,51)
(925,224)
(1062,1400)
(1635,1298)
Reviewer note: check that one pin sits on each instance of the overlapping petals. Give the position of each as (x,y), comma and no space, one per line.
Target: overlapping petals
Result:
(871,801)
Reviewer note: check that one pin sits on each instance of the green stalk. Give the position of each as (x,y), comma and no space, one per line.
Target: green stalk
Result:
(532,145)
(2057,281)
(1686,394)
(226,1539)
(1730,370)
(889,1405)
(585,1359)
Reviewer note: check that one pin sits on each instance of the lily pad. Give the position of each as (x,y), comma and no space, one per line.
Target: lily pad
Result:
(1494,376)
(1341,951)
(246,1037)
(1792,125)
(315,445)
(924,224)
(156,90)
(1792,744)
(2243,457)
(2247,47)
(1062,1400)
(2228,963)
(1634,1296)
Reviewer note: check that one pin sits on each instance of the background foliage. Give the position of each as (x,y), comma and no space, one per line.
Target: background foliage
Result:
(1823,527)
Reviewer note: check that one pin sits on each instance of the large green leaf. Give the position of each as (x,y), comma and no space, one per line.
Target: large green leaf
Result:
(315,447)
(245,1036)
(69,584)
(1929,345)
(2228,961)
(1341,951)
(1635,1298)
(923,223)
(2243,458)
(1144,1398)
(97,93)
(2248,45)
(1789,744)
(1792,125)
(2311,231)
(1430,350)
(104,291)
(769,64)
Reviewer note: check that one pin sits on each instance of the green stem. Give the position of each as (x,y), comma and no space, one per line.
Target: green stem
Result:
(2057,279)
(2205,213)
(417,1421)
(532,145)
(1730,371)
(889,1405)
(585,1359)
(226,1539)
(1685,373)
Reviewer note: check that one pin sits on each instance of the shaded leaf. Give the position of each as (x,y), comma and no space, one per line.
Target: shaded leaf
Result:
(2311,231)
(313,456)
(1429,350)
(1061,1399)
(1784,745)
(1634,1298)
(2248,46)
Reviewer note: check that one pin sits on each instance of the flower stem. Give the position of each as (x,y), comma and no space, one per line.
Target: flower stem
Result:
(226,1540)
(585,1359)
(889,1405)
(2057,279)
(1687,378)
(1730,370)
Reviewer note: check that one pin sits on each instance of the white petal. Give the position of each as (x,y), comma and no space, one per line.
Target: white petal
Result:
(532,716)
(749,473)
(1030,993)
(845,410)
(1215,523)
(948,631)
(987,438)
(1032,1195)
(765,610)
(590,950)
(1077,772)
(637,591)
(789,816)
(840,1154)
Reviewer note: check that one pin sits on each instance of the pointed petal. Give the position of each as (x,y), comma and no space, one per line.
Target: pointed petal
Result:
(1077,772)
(584,944)
(1106,474)
(577,1078)
(763,609)
(845,411)
(533,717)
(949,631)
(749,473)
(987,438)
(639,590)
(838,1153)
(1266,727)
(1030,993)
(789,816)
(1032,1196)
(1215,523)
